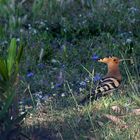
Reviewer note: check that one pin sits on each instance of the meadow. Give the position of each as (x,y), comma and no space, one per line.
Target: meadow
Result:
(48,63)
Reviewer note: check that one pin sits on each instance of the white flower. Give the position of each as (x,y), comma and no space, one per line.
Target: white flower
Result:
(81,89)
(133,9)
(128,40)
(52,85)
(42,23)
(87,80)
(34,31)
(18,39)
(63,94)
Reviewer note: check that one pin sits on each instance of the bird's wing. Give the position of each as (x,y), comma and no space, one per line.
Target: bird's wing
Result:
(105,86)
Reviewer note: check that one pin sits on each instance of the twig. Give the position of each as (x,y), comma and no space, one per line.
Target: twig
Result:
(116,120)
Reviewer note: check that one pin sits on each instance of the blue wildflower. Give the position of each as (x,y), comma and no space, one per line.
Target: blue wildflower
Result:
(83,83)
(41,65)
(95,57)
(58,85)
(30,74)
(97,77)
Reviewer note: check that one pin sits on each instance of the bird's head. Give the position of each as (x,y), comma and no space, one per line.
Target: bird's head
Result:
(113,66)
(110,60)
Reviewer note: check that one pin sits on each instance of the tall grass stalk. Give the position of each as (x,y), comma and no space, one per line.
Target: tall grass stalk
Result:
(70,90)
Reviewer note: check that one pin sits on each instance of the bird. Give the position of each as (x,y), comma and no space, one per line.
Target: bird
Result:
(110,82)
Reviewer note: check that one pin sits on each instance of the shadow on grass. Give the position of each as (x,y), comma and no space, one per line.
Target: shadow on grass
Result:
(57,122)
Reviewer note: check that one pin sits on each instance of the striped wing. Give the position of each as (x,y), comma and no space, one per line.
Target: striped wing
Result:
(104,87)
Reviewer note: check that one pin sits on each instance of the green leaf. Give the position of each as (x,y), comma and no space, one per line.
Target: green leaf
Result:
(11,56)
(19,54)
(3,69)
(8,103)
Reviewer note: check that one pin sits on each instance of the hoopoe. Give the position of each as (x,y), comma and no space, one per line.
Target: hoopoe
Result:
(109,83)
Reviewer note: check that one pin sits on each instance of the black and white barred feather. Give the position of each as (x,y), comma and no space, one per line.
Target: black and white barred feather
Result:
(105,87)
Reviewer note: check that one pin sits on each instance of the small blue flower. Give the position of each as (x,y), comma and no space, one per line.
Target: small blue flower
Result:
(95,57)
(97,77)
(41,65)
(30,74)
(83,83)
(58,85)
(63,66)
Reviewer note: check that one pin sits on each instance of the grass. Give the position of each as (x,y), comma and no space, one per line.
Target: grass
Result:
(83,123)
(69,34)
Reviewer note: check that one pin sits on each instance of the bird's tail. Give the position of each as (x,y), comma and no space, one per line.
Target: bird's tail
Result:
(90,97)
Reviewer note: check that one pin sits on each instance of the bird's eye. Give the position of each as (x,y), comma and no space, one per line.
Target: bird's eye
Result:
(114,60)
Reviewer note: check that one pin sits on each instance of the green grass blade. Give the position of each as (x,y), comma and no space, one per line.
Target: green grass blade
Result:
(11,55)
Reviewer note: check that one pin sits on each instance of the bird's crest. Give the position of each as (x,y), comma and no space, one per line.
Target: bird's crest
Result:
(109,60)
